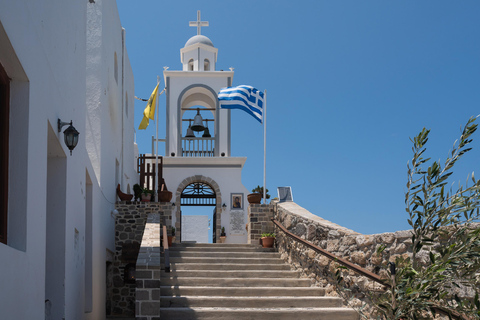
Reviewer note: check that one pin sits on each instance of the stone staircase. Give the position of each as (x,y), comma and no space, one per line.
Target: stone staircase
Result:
(228,281)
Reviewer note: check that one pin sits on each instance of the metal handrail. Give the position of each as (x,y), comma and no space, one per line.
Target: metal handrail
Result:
(358,269)
(165,249)
(331,256)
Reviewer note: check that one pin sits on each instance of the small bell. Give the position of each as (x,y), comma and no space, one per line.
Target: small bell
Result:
(198,122)
(206,133)
(189,132)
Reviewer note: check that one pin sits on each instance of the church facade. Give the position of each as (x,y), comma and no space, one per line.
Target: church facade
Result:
(61,60)
(198,166)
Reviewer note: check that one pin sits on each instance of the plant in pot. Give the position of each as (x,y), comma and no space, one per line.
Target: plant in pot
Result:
(257,195)
(146,195)
(137,190)
(223,235)
(171,237)
(268,239)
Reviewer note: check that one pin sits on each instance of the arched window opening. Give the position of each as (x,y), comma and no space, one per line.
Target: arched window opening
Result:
(190,65)
(206,65)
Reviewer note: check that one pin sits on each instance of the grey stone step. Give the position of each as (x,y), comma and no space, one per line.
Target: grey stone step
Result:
(217,255)
(236,282)
(231,274)
(240,291)
(258,313)
(222,249)
(215,245)
(250,302)
(252,260)
(228,266)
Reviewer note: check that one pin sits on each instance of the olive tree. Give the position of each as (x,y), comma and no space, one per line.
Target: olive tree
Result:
(445,230)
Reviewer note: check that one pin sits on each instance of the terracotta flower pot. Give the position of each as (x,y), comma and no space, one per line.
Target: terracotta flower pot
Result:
(164,196)
(267,242)
(255,198)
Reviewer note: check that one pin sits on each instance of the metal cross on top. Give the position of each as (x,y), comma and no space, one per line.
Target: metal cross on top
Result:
(199,24)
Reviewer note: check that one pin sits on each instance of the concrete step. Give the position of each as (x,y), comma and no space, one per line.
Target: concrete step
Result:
(222,249)
(250,302)
(211,260)
(231,274)
(220,254)
(228,266)
(241,291)
(258,313)
(236,282)
(224,281)
(214,245)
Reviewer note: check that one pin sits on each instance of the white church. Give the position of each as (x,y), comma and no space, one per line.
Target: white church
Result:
(198,167)
(67,141)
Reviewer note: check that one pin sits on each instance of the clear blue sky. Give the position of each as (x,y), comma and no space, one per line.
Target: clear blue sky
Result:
(349,82)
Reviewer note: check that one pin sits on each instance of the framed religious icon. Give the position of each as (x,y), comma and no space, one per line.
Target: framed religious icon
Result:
(236,200)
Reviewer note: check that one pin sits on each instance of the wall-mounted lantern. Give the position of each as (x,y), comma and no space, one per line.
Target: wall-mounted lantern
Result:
(70,134)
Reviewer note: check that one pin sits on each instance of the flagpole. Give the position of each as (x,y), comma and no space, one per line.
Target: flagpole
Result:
(265,148)
(156,147)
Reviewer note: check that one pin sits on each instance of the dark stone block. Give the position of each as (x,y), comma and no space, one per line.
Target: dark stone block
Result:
(140,274)
(142,295)
(150,308)
(152,283)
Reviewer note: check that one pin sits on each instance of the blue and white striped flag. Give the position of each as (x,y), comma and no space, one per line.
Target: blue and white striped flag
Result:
(246,98)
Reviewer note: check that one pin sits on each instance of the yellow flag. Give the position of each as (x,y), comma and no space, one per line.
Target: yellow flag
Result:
(149,111)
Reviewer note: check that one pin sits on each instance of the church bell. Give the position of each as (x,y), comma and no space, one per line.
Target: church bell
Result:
(189,132)
(206,133)
(198,122)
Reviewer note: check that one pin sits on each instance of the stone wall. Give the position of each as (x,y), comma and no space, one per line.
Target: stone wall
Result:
(148,272)
(259,221)
(129,230)
(345,243)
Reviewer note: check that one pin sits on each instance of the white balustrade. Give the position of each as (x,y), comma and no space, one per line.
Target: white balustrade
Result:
(198,147)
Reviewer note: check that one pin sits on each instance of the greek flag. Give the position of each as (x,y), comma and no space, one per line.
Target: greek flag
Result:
(246,98)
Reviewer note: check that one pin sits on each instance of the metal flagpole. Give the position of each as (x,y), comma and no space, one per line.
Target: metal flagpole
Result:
(156,147)
(265,148)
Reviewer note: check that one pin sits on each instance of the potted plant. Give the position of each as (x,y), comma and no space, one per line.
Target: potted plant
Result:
(137,190)
(268,239)
(223,235)
(147,195)
(257,195)
(172,237)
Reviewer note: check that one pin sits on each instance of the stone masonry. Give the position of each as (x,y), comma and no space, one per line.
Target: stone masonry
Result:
(345,243)
(148,272)
(129,231)
(259,221)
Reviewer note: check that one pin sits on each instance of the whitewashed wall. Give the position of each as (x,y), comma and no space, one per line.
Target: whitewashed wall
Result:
(49,50)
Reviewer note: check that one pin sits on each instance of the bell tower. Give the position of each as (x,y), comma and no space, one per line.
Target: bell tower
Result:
(196,126)
(197,145)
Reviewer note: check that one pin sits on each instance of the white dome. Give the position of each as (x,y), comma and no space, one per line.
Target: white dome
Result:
(199,39)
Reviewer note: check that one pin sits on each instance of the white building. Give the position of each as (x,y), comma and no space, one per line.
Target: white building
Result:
(61,60)
(198,169)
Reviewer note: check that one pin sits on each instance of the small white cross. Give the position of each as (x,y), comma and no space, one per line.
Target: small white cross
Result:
(199,24)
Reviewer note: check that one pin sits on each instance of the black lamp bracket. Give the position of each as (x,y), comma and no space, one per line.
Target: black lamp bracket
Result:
(61,124)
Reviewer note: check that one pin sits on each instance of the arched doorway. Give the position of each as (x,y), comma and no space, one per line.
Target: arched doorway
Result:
(199,192)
